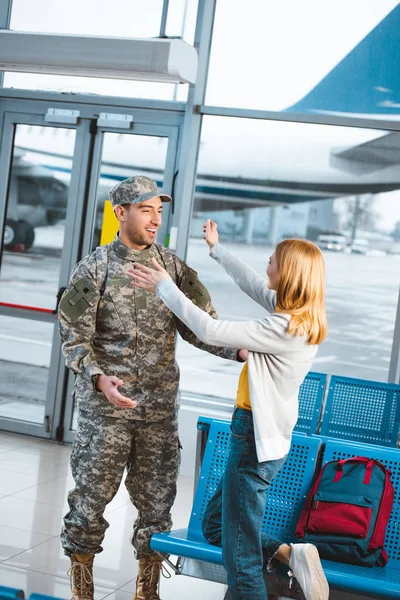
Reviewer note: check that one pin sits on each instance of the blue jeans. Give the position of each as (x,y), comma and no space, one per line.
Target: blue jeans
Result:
(234,516)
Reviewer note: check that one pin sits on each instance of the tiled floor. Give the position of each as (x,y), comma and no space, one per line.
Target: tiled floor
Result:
(34,481)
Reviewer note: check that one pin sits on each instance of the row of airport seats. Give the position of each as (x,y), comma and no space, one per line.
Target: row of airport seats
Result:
(352,409)
(8,593)
(285,499)
(339,417)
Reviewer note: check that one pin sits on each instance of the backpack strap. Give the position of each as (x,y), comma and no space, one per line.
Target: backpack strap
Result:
(360,459)
(167,259)
(102,267)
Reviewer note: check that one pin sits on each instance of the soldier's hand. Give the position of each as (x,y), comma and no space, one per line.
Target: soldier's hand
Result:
(210,233)
(109,384)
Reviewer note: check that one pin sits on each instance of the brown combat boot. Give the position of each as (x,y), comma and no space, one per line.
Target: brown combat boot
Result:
(81,574)
(148,579)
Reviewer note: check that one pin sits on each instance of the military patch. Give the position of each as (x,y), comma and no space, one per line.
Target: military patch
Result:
(195,290)
(78,298)
(140,302)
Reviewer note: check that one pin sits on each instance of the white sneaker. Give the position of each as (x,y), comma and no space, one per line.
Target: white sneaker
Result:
(306,566)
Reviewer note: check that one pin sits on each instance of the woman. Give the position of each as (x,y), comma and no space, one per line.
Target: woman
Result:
(281,348)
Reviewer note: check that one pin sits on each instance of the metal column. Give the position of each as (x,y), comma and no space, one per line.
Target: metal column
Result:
(273,225)
(248,225)
(394,369)
(192,128)
(5,18)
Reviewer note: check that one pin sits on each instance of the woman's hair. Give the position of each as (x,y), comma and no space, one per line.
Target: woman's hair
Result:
(301,288)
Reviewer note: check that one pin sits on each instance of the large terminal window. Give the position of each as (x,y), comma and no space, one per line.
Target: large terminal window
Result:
(263,181)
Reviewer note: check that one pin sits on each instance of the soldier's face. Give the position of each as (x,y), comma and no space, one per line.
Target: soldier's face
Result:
(141,222)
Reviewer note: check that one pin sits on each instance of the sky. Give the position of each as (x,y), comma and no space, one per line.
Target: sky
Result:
(265,55)
(268,54)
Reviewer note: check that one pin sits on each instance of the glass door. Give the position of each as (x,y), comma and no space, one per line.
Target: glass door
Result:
(56,169)
(148,149)
(38,195)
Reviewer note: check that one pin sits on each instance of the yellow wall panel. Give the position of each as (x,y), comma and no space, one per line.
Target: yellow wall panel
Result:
(110,224)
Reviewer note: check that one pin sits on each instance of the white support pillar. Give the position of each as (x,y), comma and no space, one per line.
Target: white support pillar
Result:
(273,225)
(248,225)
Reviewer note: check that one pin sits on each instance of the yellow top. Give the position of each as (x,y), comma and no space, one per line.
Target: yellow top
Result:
(243,393)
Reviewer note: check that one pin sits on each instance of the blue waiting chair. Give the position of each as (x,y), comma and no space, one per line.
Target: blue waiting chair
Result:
(311,395)
(362,411)
(285,499)
(7,593)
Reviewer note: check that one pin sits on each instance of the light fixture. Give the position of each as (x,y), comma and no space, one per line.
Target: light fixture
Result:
(154,59)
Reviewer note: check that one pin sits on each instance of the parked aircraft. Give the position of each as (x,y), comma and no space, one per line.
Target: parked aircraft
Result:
(286,163)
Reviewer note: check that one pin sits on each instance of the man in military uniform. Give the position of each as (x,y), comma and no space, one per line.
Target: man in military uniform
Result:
(120,342)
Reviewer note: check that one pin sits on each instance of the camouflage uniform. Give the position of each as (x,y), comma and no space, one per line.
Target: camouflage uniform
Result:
(127,332)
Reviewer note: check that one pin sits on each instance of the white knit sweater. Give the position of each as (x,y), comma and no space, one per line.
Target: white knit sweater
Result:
(277,362)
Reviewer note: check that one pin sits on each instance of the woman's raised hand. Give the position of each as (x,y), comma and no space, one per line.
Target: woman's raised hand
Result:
(146,278)
(210,233)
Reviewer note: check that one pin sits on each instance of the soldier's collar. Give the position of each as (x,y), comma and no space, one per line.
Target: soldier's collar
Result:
(129,253)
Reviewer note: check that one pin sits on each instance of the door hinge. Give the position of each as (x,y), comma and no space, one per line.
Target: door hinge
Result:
(116,120)
(61,115)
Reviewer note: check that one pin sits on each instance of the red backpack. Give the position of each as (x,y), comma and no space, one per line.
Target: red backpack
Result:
(347,511)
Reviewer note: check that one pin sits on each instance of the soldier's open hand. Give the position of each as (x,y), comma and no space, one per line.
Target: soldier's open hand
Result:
(147,278)
(109,384)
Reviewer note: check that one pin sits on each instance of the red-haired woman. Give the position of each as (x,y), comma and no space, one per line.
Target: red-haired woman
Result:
(280,349)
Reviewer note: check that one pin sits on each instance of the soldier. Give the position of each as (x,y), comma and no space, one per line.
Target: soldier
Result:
(120,343)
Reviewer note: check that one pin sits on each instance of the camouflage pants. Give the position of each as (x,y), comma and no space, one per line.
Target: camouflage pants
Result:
(103,448)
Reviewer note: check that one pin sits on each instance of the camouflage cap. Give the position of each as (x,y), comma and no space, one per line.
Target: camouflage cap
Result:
(134,190)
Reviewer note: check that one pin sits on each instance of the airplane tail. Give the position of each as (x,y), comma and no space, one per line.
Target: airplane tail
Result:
(366,81)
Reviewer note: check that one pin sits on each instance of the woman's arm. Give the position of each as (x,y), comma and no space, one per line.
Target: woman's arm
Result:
(263,335)
(248,280)
(267,335)
(245,277)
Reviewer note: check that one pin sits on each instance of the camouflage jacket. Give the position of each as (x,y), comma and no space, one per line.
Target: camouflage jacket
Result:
(108,326)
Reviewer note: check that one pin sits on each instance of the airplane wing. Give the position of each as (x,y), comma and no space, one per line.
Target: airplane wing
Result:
(377,154)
